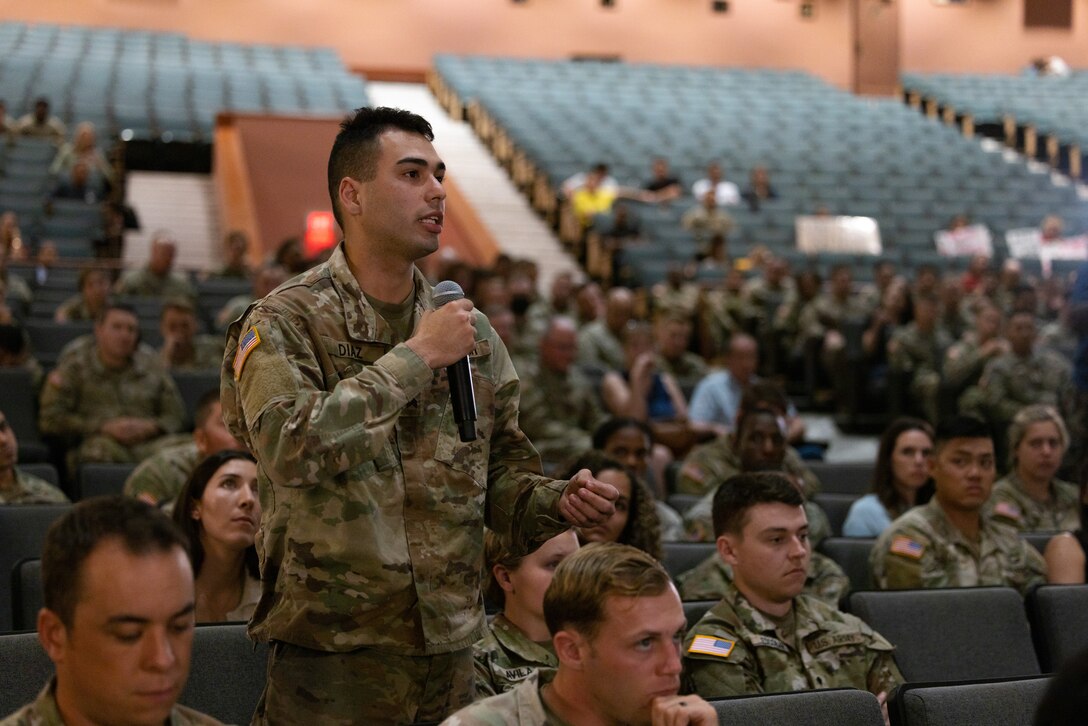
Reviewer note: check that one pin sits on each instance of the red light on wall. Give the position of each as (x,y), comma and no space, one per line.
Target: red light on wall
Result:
(320,233)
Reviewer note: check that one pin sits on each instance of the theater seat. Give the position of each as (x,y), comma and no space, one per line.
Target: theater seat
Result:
(24,670)
(1059,623)
(835,707)
(987,702)
(226,674)
(22,532)
(679,557)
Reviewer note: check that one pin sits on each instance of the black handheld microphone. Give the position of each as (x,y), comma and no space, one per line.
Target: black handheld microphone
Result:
(462,395)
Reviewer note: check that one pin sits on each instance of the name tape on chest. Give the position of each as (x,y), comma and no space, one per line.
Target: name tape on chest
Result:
(246,345)
(907,547)
(709,645)
(827,642)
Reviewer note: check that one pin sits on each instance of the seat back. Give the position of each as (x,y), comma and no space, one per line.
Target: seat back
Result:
(225,650)
(102,479)
(192,385)
(835,707)
(679,557)
(26,593)
(694,610)
(952,634)
(843,478)
(20,404)
(1010,702)
(852,555)
(836,507)
(1059,623)
(48,472)
(22,533)
(24,670)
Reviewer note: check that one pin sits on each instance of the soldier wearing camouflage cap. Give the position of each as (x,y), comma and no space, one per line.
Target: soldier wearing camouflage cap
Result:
(765,636)
(951,541)
(371,541)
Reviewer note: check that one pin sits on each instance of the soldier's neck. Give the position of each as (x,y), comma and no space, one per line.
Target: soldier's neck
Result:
(968,522)
(386,278)
(7,479)
(1037,488)
(566,698)
(535,629)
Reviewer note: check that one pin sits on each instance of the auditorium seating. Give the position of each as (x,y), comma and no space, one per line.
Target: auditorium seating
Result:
(852,555)
(834,707)
(101,479)
(679,557)
(26,593)
(1008,702)
(854,478)
(22,532)
(836,507)
(1059,623)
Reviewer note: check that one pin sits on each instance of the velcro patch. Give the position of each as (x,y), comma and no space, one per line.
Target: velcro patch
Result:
(1008,510)
(907,547)
(826,642)
(709,645)
(246,345)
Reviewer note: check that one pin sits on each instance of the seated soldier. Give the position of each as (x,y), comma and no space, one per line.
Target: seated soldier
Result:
(114,401)
(182,349)
(615,620)
(118,618)
(765,636)
(1031,497)
(18,487)
(951,542)
(94,292)
(160,478)
(157,278)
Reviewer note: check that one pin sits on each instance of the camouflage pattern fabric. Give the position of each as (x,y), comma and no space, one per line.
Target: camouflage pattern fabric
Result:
(143,283)
(43,711)
(710,580)
(364,686)
(826,312)
(163,475)
(1012,505)
(921,549)
(598,347)
(30,489)
(504,657)
(1010,382)
(735,649)
(920,354)
(709,464)
(522,705)
(964,361)
(558,412)
(75,309)
(373,510)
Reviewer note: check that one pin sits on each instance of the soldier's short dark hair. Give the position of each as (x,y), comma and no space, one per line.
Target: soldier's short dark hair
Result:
(13,339)
(355,151)
(961,427)
(737,494)
(179,304)
(110,307)
(141,528)
(584,581)
(618,423)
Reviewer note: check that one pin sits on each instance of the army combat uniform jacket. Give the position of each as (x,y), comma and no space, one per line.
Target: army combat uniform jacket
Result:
(521,705)
(921,549)
(44,712)
(1011,504)
(735,649)
(505,657)
(30,489)
(373,510)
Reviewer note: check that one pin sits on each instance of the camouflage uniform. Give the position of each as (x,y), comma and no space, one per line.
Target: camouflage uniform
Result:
(163,475)
(721,314)
(826,312)
(764,301)
(1011,504)
(558,412)
(373,510)
(44,712)
(678,302)
(81,394)
(75,309)
(704,223)
(521,705)
(710,579)
(920,354)
(600,348)
(922,549)
(29,489)
(736,649)
(964,362)
(699,521)
(207,355)
(144,283)
(1010,382)
(505,657)
(710,464)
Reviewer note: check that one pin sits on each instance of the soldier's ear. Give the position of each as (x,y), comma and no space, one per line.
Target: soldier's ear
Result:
(52,634)
(726,549)
(571,648)
(502,576)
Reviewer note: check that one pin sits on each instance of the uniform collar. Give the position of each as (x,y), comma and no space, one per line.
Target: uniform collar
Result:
(511,638)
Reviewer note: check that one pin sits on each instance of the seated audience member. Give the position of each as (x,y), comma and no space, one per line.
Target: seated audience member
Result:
(182,348)
(235,266)
(787,318)
(759,188)
(635,521)
(289,256)
(118,618)
(600,341)
(639,389)
(12,243)
(605,602)
(160,478)
(902,470)
(1066,563)
(157,279)
(706,219)
(822,321)
(710,579)
(112,400)
(589,304)
(631,443)
(951,541)
(676,296)
(1031,497)
(83,148)
(77,184)
(517,642)
(265,281)
(41,124)
(726,193)
(766,635)
(559,409)
(965,360)
(663,185)
(673,336)
(916,350)
(219,513)
(771,289)
(592,198)
(94,293)
(578,181)
(19,487)
(15,352)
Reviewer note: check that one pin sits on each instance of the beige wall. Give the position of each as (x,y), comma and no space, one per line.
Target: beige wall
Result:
(985,36)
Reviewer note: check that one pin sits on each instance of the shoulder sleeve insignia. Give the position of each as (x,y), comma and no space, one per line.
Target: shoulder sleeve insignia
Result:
(907,547)
(1008,510)
(709,645)
(246,345)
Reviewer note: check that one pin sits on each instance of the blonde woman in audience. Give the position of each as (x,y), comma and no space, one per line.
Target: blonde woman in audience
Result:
(1031,497)
(517,641)
(219,511)
(635,521)
(902,470)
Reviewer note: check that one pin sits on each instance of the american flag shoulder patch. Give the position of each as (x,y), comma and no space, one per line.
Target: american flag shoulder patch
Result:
(907,547)
(246,345)
(709,645)
(1008,510)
